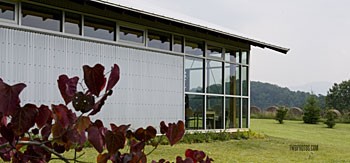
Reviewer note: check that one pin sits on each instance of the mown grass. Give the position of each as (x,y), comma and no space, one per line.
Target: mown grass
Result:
(333,145)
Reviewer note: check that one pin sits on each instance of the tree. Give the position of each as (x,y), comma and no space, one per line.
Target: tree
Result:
(311,110)
(331,116)
(338,97)
(33,134)
(281,114)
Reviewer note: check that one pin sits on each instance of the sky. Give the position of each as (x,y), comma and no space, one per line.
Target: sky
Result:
(316,31)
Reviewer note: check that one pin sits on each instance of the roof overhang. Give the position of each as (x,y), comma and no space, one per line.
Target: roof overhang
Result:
(200,25)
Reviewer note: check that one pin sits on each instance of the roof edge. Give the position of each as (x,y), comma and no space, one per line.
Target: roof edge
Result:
(249,40)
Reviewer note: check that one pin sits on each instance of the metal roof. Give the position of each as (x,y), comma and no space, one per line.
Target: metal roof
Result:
(157,12)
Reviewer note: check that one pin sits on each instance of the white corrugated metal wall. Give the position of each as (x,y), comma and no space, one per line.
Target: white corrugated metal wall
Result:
(150,89)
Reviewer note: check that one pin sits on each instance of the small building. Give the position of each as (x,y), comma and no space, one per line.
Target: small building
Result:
(171,68)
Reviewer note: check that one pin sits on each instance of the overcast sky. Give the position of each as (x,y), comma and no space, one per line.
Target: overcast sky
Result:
(316,31)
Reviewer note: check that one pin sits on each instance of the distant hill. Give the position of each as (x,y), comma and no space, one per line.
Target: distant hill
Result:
(264,95)
(315,87)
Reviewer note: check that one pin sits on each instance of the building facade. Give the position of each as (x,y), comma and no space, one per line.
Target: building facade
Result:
(171,69)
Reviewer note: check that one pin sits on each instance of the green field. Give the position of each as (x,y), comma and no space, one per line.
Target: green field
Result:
(333,145)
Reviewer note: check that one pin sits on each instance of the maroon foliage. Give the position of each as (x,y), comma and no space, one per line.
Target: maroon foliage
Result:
(98,105)
(24,119)
(63,115)
(67,87)
(94,78)
(7,134)
(114,141)
(9,98)
(44,116)
(113,77)
(174,132)
(59,129)
(95,138)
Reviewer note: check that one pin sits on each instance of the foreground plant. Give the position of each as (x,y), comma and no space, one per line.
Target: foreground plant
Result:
(31,133)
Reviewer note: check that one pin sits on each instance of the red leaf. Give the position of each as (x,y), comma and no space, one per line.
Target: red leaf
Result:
(83,123)
(175,132)
(57,131)
(9,98)
(103,158)
(121,128)
(113,77)
(24,119)
(95,138)
(163,127)
(46,131)
(145,134)
(67,87)
(114,141)
(98,105)
(44,116)
(195,155)
(63,115)
(7,133)
(3,121)
(136,147)
(94,78)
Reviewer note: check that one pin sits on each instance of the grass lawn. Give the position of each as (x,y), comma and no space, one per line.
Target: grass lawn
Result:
(333,145)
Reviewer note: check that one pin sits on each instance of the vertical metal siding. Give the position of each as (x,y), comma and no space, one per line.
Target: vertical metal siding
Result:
(150,89)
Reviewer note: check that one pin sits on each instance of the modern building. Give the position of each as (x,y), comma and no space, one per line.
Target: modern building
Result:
(171,68)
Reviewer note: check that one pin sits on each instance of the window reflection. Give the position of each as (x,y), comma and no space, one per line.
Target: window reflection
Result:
(41,17)
(99,28)
(232,79)
(178,44)
(132,35)
(214,71)
(72,23)
(194,47)
(213,51)
(159,40)
(244,57)
(232,112)
(214,113)
(245,81)
(232,56)
(7,11)
(194,111)
(193,74)
(245,113)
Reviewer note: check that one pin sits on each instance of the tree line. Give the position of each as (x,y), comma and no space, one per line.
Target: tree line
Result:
(264,95)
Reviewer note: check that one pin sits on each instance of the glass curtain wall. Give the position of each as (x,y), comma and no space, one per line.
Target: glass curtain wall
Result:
(216,86)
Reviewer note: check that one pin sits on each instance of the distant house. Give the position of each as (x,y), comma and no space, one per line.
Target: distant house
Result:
(171,68)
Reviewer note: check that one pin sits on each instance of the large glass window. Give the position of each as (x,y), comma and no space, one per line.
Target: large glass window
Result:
(214,77)
(193,74)
(72,23)
(194,111)
(41,17)
(159,40)
(194,47)
(232,79)
(245,81)
(7,11)
(245,116)
(245,57)
(213,51)
(232,112)
(178,44)
(232,56)
(214,112)
(132,35)
(99,28)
